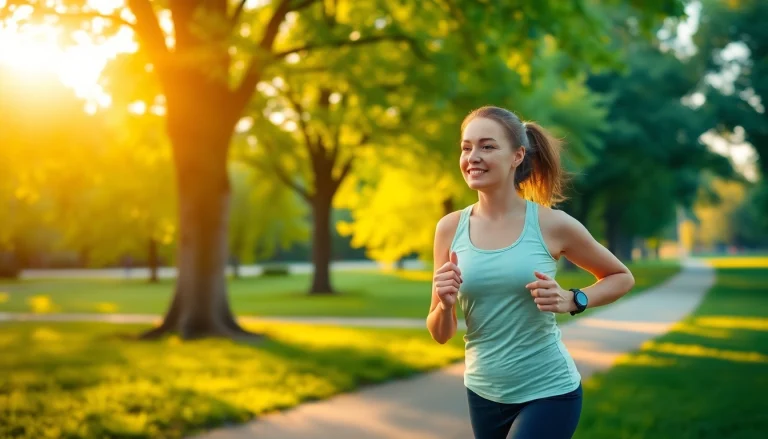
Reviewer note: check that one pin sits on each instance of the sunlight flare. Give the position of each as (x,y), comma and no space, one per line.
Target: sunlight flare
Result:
(76,57)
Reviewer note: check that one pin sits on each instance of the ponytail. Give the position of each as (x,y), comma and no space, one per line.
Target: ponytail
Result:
(540,177)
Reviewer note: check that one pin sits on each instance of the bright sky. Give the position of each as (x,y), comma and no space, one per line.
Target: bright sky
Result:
(41,47)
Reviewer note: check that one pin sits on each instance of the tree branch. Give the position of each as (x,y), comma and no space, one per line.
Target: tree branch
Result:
(280,172)
(149,33)
(347,167)
(299,109)
(336,182)
(359,42)
(330,19)
(253,72)
(182,14)
(337,132)
(238,12)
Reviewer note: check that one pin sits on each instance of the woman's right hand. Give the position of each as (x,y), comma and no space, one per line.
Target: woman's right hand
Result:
(447,282)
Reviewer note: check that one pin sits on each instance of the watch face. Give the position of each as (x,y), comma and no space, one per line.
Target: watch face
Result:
(581,298)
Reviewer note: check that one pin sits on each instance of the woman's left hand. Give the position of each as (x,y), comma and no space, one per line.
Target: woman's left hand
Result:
(549,296)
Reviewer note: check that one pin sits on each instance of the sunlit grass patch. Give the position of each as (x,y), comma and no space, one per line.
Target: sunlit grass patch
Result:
(106,307)
(705,379)
(85,380)
(41,304)
(738,261)
(731,322)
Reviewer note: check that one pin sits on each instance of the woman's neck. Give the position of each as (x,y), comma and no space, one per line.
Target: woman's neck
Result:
(501,203)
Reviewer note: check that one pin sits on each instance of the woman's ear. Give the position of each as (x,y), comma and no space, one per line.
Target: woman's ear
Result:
(519,156)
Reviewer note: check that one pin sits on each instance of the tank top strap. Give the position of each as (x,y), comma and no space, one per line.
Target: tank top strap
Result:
(532,224)
(531,215)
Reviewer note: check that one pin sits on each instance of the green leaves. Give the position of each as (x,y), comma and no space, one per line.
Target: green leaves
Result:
(728,30)
(256,233)
(653,159)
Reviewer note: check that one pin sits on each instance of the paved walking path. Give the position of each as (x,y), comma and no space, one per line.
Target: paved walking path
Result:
(433,405)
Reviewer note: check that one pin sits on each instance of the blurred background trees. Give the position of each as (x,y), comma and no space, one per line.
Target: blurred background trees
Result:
(319,131)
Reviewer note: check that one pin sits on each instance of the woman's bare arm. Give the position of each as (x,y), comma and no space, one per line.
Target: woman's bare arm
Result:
(565,236)
(441,320)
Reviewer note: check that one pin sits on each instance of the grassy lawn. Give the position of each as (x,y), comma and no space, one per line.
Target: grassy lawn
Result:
(708,378)
(84,381)
(362,294)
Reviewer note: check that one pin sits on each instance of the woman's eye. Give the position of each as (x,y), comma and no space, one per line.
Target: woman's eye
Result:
(488,146)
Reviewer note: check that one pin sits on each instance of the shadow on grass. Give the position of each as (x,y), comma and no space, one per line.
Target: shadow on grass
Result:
(83,380)
(705,379)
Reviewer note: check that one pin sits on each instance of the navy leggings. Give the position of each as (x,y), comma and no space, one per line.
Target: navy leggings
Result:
(554,417)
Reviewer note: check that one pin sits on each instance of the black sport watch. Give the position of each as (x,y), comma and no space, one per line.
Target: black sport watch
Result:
(580,299)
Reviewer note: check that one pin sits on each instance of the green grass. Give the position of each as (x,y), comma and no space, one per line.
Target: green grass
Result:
(362,294)
(66,380)
(708,378)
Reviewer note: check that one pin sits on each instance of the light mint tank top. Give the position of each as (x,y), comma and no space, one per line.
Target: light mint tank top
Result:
(513,351)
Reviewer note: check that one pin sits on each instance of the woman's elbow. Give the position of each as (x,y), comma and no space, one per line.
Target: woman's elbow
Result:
(442,339)
(628,282)
(438,336)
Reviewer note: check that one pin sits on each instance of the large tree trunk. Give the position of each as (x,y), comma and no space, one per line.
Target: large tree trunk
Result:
(321,244)
(154,260)
(202,112)
(200,136)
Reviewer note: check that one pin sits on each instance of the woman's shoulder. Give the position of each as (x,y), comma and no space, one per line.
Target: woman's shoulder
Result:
(448,223)
(556,222)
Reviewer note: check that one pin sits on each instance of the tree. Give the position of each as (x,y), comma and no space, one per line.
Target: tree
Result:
(395,206)
(733,48)
(330,129)
(256,233)
(123,205)
(209,65)
(340,104)
(715,216)
(749,223)
(653,157)
(195,73)
(45,130)
(398,197)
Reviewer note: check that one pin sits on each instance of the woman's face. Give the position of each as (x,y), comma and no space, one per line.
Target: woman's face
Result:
(488,159)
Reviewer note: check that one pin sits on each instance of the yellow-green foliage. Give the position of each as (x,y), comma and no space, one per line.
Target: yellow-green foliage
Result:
(85,381)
